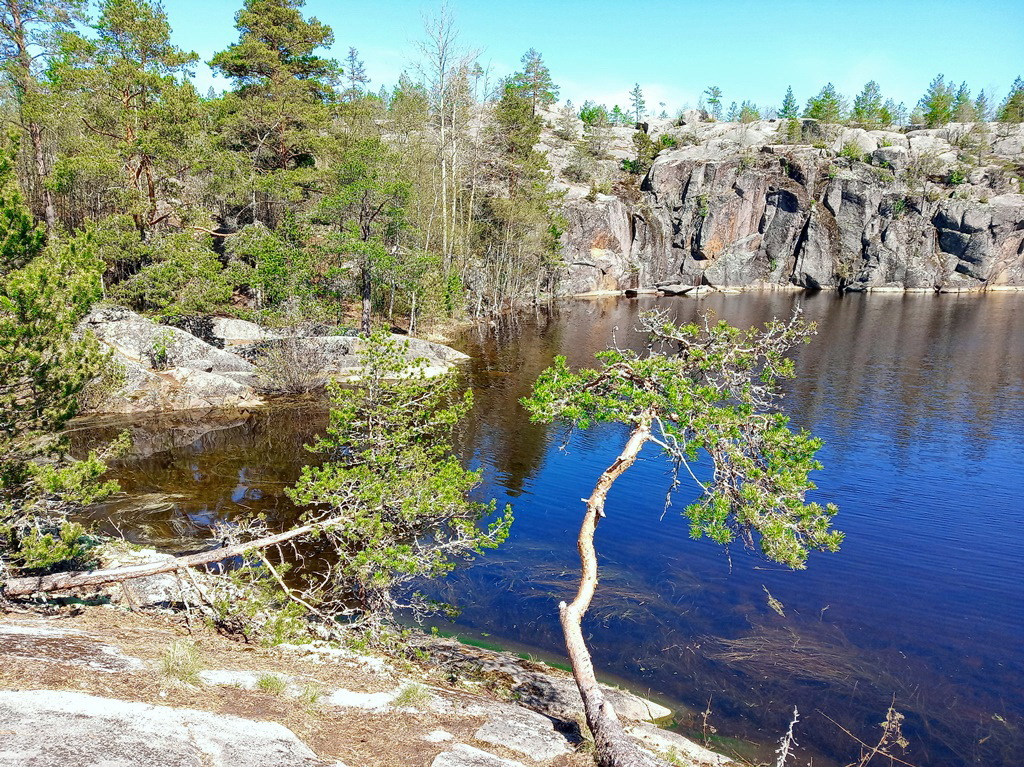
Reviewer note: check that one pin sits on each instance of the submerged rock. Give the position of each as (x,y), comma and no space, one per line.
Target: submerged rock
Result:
(539,687)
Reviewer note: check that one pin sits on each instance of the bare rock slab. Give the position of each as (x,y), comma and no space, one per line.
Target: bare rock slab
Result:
(41,728)
(466,756)
(40,641)
(525,732)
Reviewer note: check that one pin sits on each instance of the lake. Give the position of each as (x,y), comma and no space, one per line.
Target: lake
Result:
(920,401)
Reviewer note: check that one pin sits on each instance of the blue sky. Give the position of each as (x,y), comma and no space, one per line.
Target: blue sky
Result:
(752,49)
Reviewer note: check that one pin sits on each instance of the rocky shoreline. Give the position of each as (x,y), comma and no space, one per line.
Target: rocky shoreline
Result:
(95,682)
(220,362)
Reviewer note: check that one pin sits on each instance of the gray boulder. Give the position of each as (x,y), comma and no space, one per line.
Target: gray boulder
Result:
(235,332)
(158,346)
(525,732)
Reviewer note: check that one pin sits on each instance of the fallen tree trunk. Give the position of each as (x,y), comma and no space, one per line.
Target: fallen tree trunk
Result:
(20,587)
(612,746)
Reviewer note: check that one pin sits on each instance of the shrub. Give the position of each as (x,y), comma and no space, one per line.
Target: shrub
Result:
(292,365)
(61,544)
(851,152)
(666,141)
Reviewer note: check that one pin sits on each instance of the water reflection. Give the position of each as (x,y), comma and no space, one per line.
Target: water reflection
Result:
(919,399)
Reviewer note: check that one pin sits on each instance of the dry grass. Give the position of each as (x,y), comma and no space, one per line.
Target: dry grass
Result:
(181,663)
(356,737)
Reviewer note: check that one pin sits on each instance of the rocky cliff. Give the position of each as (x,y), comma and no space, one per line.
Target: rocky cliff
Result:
(795,203)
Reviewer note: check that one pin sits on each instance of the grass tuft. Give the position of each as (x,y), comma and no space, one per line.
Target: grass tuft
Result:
(275,684)
(181,662)
(411,696)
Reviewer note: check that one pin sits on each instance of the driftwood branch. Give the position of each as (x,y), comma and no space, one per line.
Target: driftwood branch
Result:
(20,587)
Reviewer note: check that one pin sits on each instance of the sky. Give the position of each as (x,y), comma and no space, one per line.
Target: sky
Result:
(598,49)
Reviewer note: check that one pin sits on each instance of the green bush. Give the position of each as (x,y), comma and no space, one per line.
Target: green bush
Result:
(851,152)
(64,545)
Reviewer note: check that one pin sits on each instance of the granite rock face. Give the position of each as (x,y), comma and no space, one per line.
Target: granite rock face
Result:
(47,727)
(165,368)
(736,206)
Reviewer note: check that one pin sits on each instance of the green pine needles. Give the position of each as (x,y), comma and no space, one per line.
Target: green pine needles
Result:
(45,289)
(710,389)
(393,500)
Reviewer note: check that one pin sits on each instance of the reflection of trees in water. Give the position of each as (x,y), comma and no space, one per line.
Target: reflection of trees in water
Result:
(192,471)
(910,369)
(497,432)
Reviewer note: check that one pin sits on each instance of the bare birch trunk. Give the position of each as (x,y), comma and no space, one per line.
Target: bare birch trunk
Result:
(367,314)
(35,133)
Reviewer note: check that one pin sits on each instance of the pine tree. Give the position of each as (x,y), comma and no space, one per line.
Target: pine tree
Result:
(713,96)
(520,229)
(937,103)
(963,110)
(137,105)
(282,85)
(355,76)
(893,113)
(1012,108)
(701,388)
(535,81)
(637,103)
(733,114)
(789,108)
(44,366)
(983,107)
(390,478)
(596,121)
(828,106)
(748,112)
(366,204)
(868,107)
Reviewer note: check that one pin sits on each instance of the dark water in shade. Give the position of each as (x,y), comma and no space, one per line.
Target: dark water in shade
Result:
(920,400)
